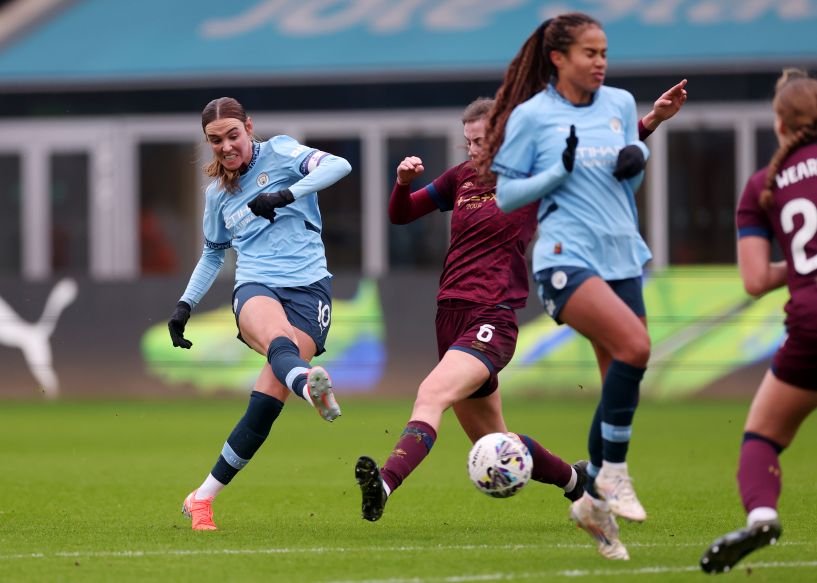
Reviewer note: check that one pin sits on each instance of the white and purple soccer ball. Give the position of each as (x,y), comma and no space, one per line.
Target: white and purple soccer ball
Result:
(499,464)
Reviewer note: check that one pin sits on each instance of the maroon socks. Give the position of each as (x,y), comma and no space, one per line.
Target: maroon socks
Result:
(413,446)
(759,475)
(547,468)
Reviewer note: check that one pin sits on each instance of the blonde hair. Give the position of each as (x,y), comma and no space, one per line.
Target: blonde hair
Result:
(795,104)
(477,109)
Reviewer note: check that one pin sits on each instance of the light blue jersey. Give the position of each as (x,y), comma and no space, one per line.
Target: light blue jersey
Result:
(587,218)
(288,252)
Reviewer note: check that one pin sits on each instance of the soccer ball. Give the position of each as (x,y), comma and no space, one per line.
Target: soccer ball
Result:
(499,464)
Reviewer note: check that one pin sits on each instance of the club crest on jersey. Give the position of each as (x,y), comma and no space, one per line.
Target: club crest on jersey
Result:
(558,280)
(262,179)
(615,125)
(466,185)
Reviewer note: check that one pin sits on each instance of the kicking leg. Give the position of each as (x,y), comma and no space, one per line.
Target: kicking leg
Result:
(455,377)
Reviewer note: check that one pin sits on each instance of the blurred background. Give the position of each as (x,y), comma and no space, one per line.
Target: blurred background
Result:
(101,189)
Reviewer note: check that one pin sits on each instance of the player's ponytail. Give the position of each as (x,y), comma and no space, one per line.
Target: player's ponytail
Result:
(529,73)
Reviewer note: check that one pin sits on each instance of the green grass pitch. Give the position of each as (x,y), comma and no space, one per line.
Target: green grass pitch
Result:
(91,491)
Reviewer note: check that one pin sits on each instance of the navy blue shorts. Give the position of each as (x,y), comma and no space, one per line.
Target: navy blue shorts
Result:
(557,284)
(795,362)
(487,332)
(308,307)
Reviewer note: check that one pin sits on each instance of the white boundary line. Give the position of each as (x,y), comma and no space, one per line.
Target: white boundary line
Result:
(575,573)
(332,550)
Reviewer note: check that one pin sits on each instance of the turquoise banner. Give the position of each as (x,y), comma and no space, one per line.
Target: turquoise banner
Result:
(161,40)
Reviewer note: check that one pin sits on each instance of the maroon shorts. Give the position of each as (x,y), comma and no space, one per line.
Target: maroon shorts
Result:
(486,332)
(795,362)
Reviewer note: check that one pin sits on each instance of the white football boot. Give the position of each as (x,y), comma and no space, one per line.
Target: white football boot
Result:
(615,486)
(598,521)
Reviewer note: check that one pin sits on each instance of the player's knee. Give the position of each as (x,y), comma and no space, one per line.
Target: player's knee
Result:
(281,346)
(259,331)
(636,350)
(431,395)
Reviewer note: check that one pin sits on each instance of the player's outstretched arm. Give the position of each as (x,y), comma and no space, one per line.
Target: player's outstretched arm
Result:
(666,106)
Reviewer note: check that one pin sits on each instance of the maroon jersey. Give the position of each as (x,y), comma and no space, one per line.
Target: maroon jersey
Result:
(485,262)
(792,220)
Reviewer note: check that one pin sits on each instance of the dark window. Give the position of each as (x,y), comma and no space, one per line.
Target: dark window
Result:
(10,218)
(702,195)
(69,213)
(766,146)
(170,239)
(341,207)
(424,242)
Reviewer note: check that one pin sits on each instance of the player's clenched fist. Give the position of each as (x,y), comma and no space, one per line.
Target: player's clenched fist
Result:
(410,168)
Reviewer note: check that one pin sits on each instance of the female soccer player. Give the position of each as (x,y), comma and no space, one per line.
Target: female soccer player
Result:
(263,203)
(589,256)
(779,204)
(484,282)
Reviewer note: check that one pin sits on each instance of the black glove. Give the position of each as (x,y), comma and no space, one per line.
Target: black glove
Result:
(630,162)
(177,323)
(569,154)
(264,204)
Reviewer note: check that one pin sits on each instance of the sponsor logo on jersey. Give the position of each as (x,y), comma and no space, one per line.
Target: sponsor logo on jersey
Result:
(475,200)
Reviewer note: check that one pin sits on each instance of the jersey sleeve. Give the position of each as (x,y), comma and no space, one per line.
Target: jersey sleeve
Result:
(310,170)
(293,156)
(203,276)
(517,154)
(217,239)
(751,218)
(443,189)
(406,206)
(216,233)
(631,125)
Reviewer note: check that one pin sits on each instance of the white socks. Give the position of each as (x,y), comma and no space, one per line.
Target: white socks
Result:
(209,488)
(574,477)
(764,513)
(615,468)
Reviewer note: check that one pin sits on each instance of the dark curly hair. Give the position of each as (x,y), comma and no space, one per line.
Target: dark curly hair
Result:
(530,71)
